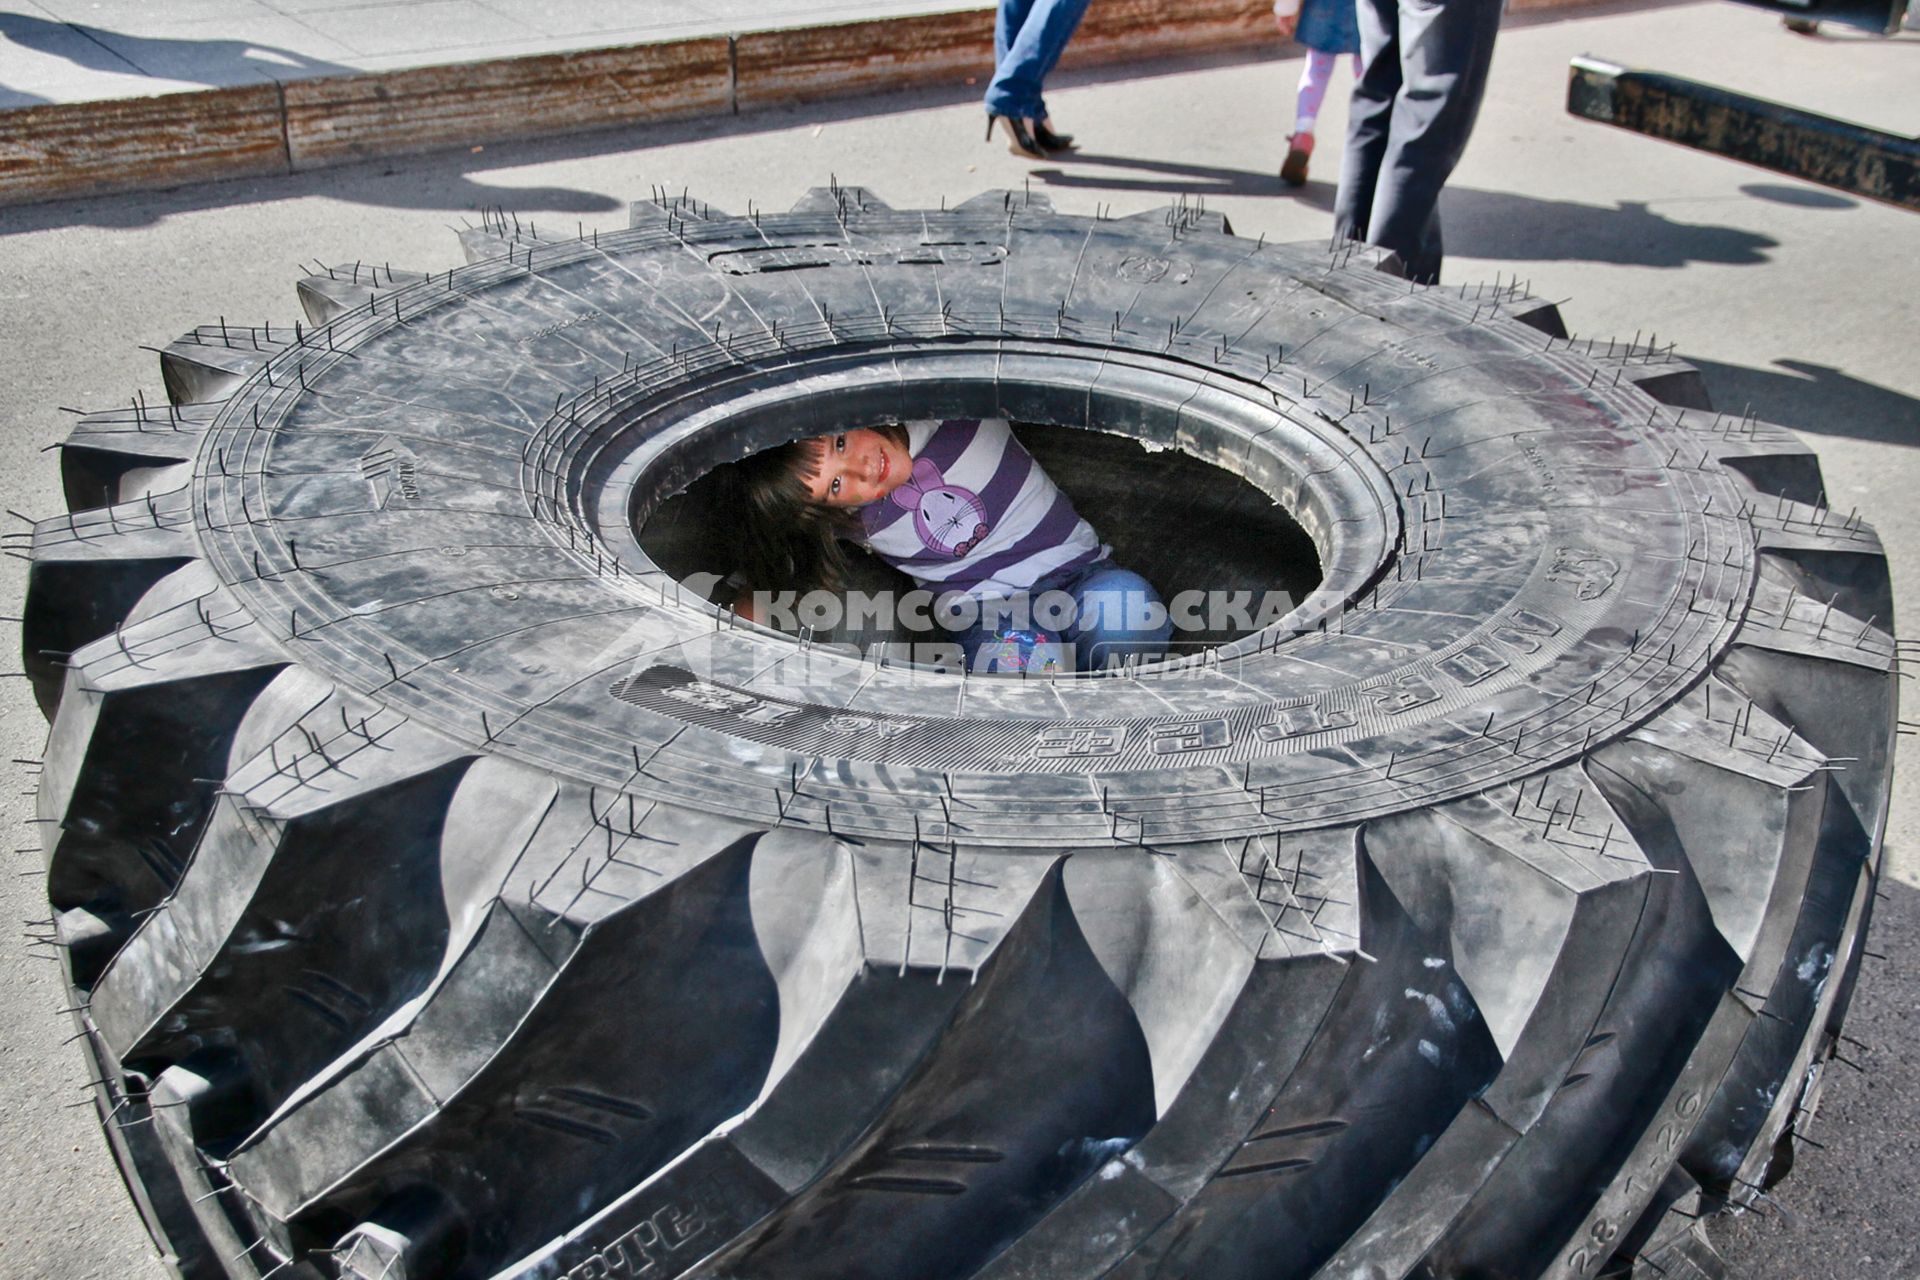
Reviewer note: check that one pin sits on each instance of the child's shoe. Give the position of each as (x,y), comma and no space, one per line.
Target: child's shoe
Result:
(1016,652)
(1293,171)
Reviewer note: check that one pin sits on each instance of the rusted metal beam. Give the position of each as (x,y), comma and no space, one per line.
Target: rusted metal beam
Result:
(1833,153)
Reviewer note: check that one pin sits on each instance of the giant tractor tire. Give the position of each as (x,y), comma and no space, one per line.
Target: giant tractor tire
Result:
(448,892)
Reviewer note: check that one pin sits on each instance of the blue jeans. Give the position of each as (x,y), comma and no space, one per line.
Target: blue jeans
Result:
(1116,615)
(1028,38)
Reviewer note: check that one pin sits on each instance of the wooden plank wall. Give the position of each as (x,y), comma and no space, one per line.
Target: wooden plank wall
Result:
(340,119)
(86,148)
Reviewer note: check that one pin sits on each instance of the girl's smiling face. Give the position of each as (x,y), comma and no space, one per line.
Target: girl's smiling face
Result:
(856,467)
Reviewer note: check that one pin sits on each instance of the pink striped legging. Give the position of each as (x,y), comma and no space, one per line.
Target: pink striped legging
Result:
(1314,78)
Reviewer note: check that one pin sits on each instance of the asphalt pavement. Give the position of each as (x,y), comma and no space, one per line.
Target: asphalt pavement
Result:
(1802,303)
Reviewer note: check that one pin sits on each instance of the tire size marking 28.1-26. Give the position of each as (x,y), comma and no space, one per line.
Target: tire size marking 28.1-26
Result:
(1596,1245)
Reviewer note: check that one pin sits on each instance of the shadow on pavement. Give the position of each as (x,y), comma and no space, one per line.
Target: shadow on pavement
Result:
(209,62)
(404,182)
(1499,225)
(1801,197)
(1504,225)
(1166,176)
(1815,399)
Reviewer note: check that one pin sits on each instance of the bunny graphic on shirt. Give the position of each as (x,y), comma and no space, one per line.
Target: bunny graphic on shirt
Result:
(949,519)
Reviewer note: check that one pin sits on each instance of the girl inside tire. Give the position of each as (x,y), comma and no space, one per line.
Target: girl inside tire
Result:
(963,509)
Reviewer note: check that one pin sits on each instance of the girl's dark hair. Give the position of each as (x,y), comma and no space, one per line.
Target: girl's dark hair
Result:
(783,539)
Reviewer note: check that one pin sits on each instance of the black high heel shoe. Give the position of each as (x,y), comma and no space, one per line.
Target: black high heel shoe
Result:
(1049,140)
(1019,140)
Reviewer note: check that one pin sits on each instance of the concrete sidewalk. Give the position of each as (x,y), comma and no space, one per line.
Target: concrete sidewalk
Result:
(122,95)
(92,50)
(119,95)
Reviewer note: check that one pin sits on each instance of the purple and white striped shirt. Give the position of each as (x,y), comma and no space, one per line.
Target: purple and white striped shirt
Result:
(977,515)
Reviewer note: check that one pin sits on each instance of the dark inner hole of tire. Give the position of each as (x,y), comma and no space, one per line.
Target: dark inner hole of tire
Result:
(1184,524)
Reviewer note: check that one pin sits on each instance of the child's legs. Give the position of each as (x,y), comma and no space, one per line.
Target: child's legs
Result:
(1118,616)
(1314,78)
(1106,615)
(1005,638)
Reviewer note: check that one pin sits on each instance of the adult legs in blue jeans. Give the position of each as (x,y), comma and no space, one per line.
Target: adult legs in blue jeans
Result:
(1028,38)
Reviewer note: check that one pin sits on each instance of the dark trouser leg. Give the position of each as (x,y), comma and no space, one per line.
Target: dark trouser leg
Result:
(1445,51)
(1368,117)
